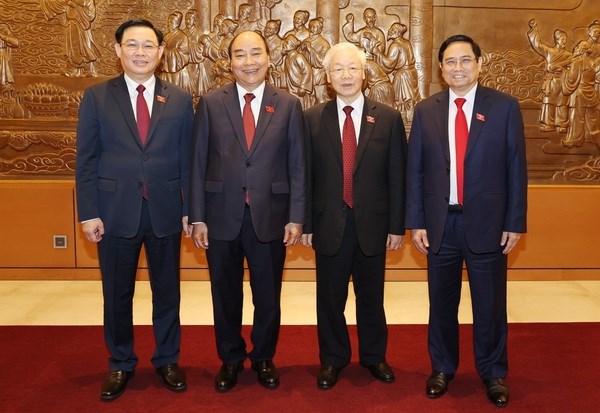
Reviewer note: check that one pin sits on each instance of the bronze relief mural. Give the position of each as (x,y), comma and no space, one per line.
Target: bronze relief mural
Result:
(546,53)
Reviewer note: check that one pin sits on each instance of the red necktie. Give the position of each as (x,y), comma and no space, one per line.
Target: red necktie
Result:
(349,153)
(461,136)
(249,126)
(143,123)
(143,115)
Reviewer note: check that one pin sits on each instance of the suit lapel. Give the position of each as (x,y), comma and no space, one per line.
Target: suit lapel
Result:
(121,95)
(481,108)
(161,99)
(440,111)
(367,125)
(268,108)
(331,122)
(232,106)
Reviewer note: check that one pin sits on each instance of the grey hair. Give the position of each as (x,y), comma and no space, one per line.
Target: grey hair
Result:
(344,47)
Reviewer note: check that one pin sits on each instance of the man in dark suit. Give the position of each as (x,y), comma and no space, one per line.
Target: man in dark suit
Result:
(132,179)
(476,219)
(356,153)
(247,199)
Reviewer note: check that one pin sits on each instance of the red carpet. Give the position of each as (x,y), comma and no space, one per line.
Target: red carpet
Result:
(553,368)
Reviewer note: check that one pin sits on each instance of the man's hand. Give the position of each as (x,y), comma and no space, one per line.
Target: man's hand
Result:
(509,240)
(200,235)
(419,238)
(306,240)
(394,242)
(93,229)
(292,233)
(187,228)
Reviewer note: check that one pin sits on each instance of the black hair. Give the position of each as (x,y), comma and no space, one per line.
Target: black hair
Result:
(459,38)
(134,23)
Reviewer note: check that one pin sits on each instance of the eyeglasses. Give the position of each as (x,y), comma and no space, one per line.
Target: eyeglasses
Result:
(132,47)
(339,72)
(464,62)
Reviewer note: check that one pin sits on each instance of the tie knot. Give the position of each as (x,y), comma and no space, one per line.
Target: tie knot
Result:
(248,97)
(347,110)
(140,88)
(460,102)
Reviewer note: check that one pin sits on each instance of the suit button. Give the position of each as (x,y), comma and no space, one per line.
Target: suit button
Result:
(144,157)
(447,199)
(248,165)
(139,184)
(244,188)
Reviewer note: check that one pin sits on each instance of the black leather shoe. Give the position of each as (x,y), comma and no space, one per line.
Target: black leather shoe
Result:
(172,376)
(227,376)
(114,385)
(267,373)
(382,371)
(497,391)
(328,377)
(437,384)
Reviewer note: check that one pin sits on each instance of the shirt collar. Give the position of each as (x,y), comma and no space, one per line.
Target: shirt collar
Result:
(358,103)
(469,96)
(258,92)
(132,85)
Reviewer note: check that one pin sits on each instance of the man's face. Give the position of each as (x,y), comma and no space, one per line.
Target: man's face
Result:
(271,28)
(459,67)
(139,63)
(370,18)
(298,20)
(346,75)
(249,60)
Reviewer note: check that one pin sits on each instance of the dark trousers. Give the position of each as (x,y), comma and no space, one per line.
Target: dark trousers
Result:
(487,282)
(333,276)
(118,259)
(226,267)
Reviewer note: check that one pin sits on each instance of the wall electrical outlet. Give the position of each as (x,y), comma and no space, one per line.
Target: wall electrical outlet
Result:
(60,241)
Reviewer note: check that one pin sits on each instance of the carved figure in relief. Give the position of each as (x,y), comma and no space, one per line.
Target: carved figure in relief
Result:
(8,41)
(77,17)
(215,47)
(314,48)
(584,100)
(244,17)
(177,53)
(274,42)
(197,68)
(216,28)
(594,38)
(370,32)
(400,60)
(594,41)
(298,73)
(221,72)
(299,31)
(554,115)
(379,87)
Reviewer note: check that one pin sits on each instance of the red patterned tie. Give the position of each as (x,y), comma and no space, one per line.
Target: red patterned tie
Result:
(349,153)
(143,123)
(461,136)
(249,126)
(143,115)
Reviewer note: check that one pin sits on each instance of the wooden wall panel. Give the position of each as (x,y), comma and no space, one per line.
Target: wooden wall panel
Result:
(31,212)
(561,243)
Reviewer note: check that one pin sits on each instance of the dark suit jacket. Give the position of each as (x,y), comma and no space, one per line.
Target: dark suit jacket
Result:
(112,164)
(495,186)
(379,178)
(223,168)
